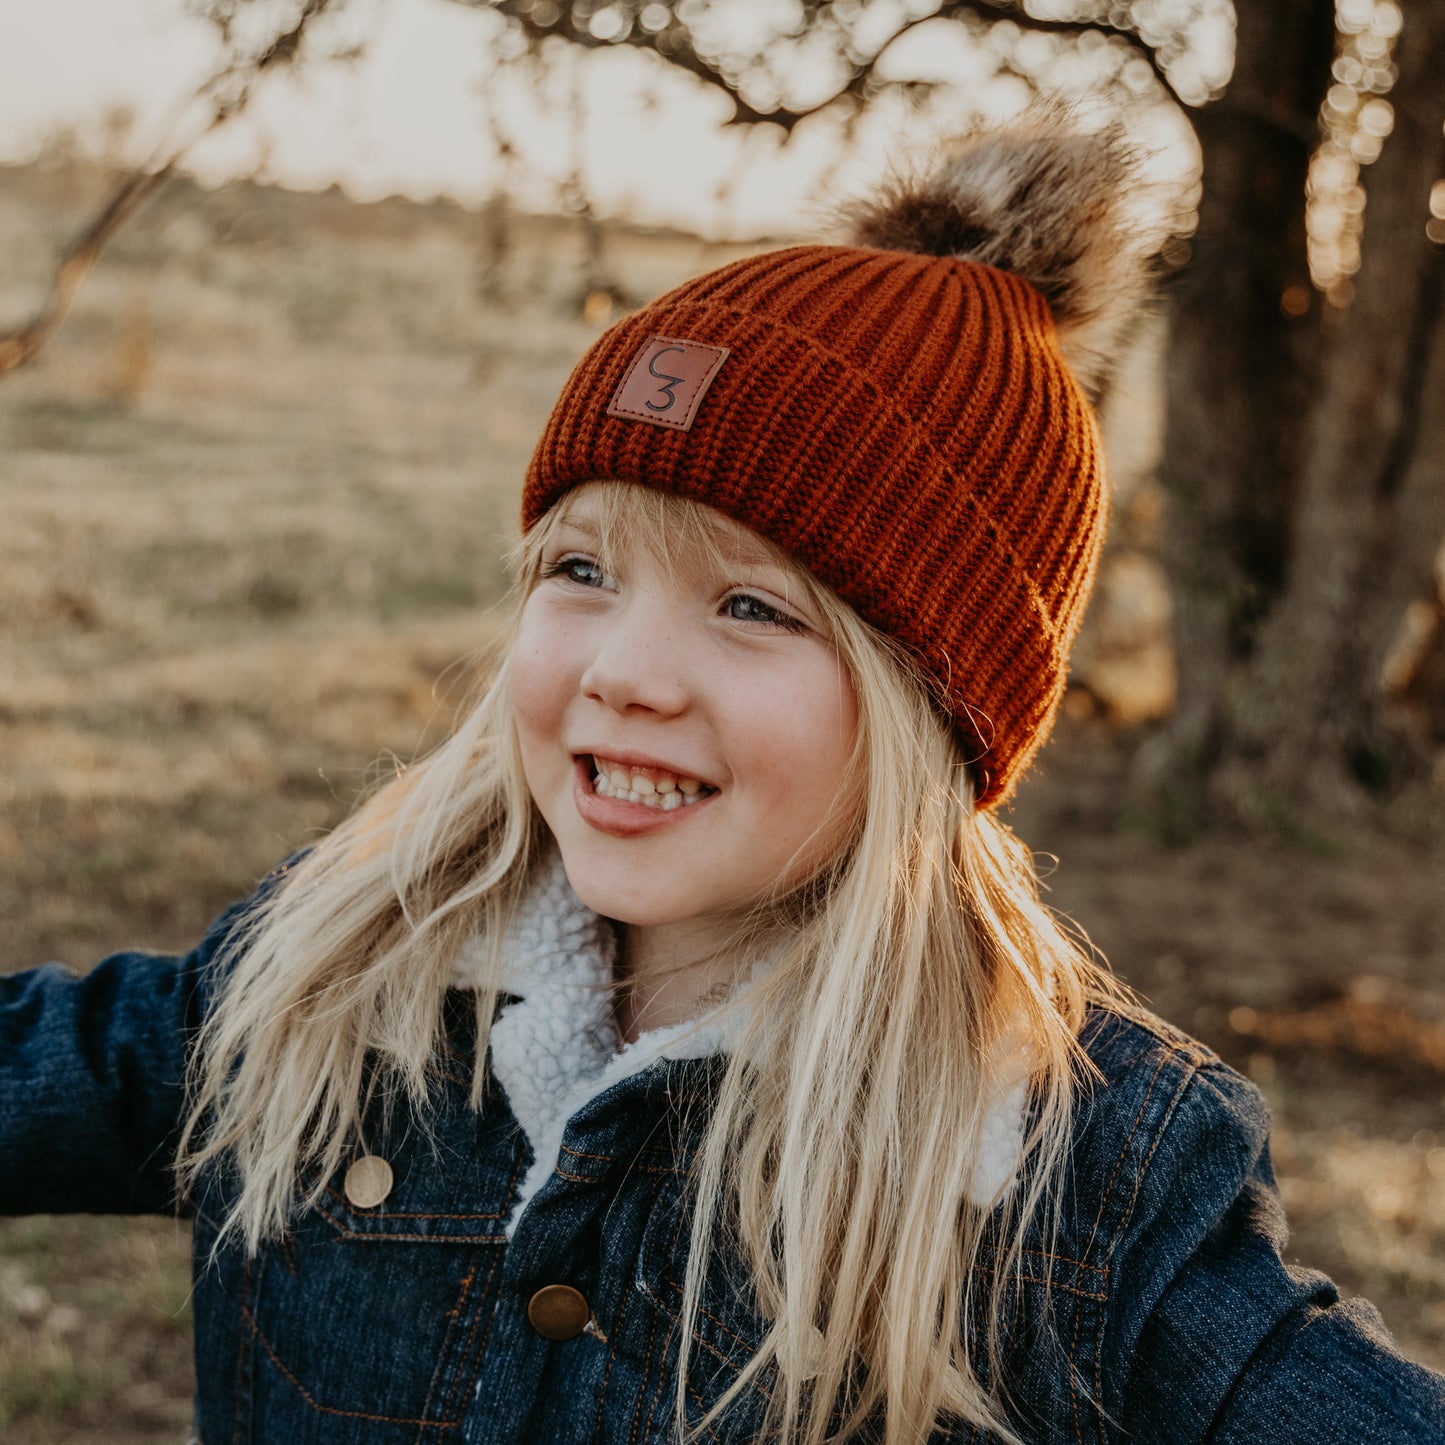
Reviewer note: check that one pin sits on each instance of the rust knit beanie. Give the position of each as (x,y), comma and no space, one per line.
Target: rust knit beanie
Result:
(899,416)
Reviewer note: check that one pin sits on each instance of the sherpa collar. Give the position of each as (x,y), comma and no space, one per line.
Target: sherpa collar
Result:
(556,1046)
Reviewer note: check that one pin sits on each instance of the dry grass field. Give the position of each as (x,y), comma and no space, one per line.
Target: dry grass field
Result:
(255,500)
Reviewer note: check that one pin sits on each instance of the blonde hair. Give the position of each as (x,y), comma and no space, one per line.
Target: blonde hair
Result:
(913,982)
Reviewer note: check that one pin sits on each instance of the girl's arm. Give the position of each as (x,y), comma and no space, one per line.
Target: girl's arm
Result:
(1232,1346)
(92,1073)
(92,1078)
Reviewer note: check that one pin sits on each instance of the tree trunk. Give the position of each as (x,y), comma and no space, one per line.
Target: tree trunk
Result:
(1233,379)
(1369,509)
(1303,504)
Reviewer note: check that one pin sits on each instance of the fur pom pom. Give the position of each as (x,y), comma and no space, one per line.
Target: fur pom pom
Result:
(1045,200)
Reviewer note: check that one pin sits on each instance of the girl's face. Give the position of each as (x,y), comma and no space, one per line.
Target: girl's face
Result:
(685,726)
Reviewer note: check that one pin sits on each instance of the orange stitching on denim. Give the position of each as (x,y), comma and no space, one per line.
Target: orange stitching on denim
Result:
(646,1371)
(1068,1288)
(607,1373)
(456,1309)
(496,1258)
(661,1374)
(1062,1259)
(452,1315)
(1103,1269)
(1153,1148)
(334,1409)
(697,1335)
(451,1407)
(582,1154)
(731,1334)
(1093,1235)
(1124,1150)
(1129,1209)
(1169,1051)
(356,1236)
(756,1384)
(726,1358)
(491,1314)
(692,1390)
(672,1247)
(398,1214)
(1073,1379)
(562,1173)
(707,1344)
(677,1228)
(1050,1283)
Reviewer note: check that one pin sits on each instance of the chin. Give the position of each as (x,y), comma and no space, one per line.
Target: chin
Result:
(635,912)
(610,897)
(638,908)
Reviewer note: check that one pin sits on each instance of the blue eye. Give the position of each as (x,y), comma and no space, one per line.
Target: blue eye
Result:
(746,608)
(582,570)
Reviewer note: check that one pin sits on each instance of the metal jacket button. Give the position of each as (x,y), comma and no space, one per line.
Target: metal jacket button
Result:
(368,1181)
(558,1312)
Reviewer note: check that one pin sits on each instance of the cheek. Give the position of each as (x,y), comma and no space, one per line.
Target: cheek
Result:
(814,798)
(830,709)
(540,679)
(808,738)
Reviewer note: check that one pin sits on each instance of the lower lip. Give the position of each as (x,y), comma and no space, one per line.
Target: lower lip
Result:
(619,817)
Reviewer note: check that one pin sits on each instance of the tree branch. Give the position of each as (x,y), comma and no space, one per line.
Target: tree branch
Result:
(228,92)
(674,44)
(990,12)
(19,346)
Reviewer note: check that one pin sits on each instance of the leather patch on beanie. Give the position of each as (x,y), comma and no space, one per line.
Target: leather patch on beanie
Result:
(667,381)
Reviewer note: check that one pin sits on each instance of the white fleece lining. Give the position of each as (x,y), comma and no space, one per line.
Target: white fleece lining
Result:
(557,1047)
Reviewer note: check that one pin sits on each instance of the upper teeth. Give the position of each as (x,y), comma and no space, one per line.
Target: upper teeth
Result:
(649,786)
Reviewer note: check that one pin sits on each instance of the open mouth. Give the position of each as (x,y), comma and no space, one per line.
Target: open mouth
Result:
(652,787)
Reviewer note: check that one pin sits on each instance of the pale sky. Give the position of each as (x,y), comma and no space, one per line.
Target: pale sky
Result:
(408,118)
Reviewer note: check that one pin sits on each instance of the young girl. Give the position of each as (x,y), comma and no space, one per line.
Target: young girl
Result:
(682,1051)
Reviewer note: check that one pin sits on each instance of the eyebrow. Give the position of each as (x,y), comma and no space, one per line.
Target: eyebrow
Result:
(580,523)
(749,549)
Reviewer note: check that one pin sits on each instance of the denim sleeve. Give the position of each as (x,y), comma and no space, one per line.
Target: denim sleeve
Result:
(92,1079)
(1232,1346)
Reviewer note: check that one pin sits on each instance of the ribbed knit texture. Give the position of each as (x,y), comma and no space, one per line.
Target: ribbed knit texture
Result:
(904,427)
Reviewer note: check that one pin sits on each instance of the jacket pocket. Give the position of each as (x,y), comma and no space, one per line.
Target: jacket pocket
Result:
(725,1337)
(367,1322)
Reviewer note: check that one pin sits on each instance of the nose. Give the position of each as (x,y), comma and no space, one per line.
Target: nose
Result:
(640,662)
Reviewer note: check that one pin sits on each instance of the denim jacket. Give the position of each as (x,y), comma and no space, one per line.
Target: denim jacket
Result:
(398,1311)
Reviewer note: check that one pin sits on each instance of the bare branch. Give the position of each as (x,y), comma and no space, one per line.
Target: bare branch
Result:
(989,12)
(226,93)
(674,43)
(18,347)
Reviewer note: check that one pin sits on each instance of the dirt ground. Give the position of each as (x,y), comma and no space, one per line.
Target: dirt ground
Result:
(256,497)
